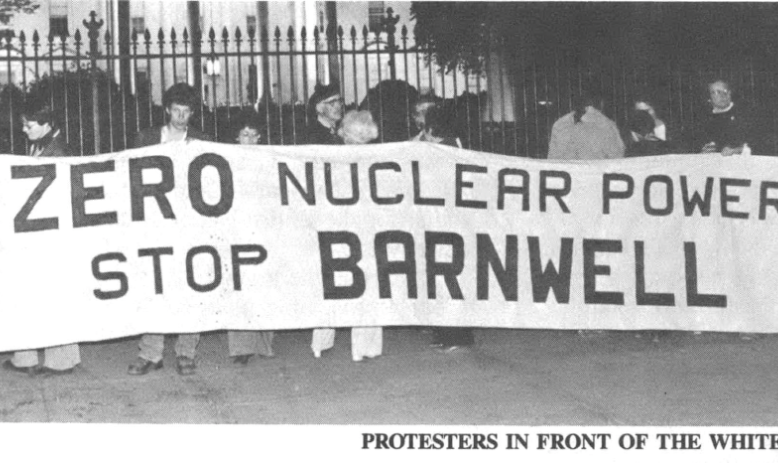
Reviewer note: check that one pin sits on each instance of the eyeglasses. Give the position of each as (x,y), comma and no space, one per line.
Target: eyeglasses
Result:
(333,101)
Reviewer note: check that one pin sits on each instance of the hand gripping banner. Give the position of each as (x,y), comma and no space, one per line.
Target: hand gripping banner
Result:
(190,237)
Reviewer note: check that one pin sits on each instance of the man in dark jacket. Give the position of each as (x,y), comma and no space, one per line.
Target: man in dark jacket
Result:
(180,101)
(46,140)
(326,107)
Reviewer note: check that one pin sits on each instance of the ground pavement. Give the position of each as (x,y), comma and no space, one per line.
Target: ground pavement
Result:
(511,377)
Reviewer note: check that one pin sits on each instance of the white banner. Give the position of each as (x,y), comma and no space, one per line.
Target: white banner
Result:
(204,236)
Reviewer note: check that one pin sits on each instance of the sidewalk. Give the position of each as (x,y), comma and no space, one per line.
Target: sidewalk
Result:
(512,377)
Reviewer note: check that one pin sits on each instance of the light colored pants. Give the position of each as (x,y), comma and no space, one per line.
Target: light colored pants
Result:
(365,341)
(57,358)
(250,342)
(152,345)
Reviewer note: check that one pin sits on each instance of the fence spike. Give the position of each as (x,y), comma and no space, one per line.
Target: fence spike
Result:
(364,32)
(238,34)
(172,34)
(353,32)
(252,33)
(212,35)
(404,32)
(186,35)
(316,34)
(147,37)
(277,33)
(340,32)
(22,37)
(107,36)
(77,37)
(303,34)
(36,38)
(290,34)
(160,35)
(225,34)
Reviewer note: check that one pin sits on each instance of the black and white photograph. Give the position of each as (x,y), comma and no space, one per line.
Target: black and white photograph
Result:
(523,230)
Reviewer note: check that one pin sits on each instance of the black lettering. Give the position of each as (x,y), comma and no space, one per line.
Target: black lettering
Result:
(238,259)
(608,194)
(417,199)
(47,174)
(549,278)
(556,193)
(383,200)
(449,270)
(461,184)
(79,195)
(504,189)
(308,194)
(140,190)
(591,270)
(226,188)
(354,186)
(642,297)
(689,204)
(330,265)
(155,254)
(106,276)
(764,200)
(726,198)
(217,269)
(386,268)
(668,182)
(693,298)
(507,275)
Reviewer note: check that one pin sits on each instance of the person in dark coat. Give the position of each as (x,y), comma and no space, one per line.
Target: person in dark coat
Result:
(46,140)
(326,113)
(729,128)
(180,102)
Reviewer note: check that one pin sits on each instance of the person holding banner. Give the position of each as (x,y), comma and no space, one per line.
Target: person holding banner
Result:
(180,102)
(358,128)
(326,108)
(586,133)
(244,344)
(46,140)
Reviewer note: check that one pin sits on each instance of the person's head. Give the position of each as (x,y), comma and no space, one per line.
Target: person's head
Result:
(38,122)
(588,97)
(248,130)
(644,103)
(641,123)
(420,111)
(327,103)
(180,102)
(358,128)
(720,94)
(437,124)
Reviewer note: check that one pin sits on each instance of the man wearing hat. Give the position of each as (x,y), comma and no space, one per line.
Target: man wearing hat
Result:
(326,107)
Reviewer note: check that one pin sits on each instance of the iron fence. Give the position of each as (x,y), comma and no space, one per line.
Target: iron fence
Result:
(104,89)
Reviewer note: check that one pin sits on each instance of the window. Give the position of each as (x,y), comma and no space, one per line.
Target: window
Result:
(375,13)
(58,19)
(251,24)
(139,25)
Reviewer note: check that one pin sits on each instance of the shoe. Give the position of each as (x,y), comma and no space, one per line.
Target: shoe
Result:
(242,360)
(46,371)
(32,371)
(142,366)
(185,366)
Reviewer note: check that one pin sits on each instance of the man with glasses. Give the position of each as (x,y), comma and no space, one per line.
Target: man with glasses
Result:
(326,111)
(728,128)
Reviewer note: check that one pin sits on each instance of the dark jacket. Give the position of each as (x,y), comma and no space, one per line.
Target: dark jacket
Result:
(153,136)
(57,147)
(320,135)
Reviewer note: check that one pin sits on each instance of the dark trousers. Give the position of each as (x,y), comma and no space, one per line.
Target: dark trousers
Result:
(453,336)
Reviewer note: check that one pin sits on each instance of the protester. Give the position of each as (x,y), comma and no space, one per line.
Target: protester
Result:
(358,128)
(643,140)
(244,344)
(437,129)
(728,128)
(586,133)
(180,102)
(326,107)
(46,140)
(420,114)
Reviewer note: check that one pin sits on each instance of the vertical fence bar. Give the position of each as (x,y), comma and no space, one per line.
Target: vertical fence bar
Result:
(228,100)
(342,62)
(147,42)
(279,92)
(65,89)
(404,39)
(135,78)
(79,80)
(466,74)
(303,45)
(173,44)
(109,81)
(10,90)
(238,40)
(367,70)
(380,89)
(353,34)
(266,89)
(214,95)
(292,86)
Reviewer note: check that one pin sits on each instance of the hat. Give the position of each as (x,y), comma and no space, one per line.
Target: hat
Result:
(321,93)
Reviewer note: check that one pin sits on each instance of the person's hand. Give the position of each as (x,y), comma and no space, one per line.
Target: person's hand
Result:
(709,147)
(727,151)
